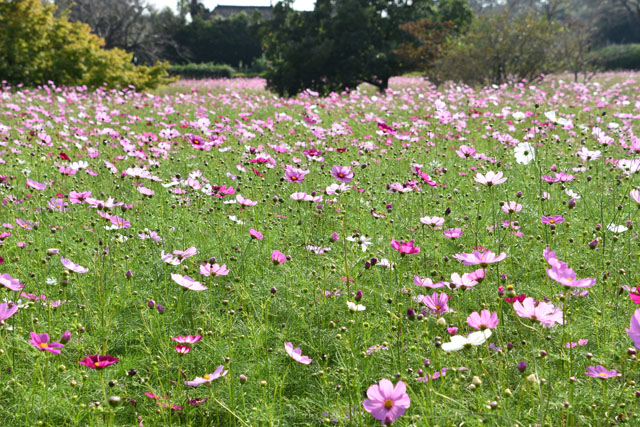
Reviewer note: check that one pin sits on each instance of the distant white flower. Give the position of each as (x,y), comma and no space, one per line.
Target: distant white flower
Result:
(524,153)
(362,241)
(52,281)
(572,194)
(518,115)
(236,220)
(616,228)
(586,154)
(355,307)
(458,342)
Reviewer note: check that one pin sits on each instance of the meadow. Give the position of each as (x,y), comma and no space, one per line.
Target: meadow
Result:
(211,254)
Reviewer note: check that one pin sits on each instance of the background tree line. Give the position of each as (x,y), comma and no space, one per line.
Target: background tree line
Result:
(340,44)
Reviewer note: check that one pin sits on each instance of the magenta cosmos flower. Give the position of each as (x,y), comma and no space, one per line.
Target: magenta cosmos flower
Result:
(7,311)
(552,220)
(490,179)
(98,362)
(563,274)
(480,258)
(296,354)
(207,377)
(278,257)
(634,328)
(437,303)
(405,247)
(385,402)
(188,283)
(484,320)
(342,173)
(41,342)
(69,265)
(601,372)
(10,283)
(256,234)
(185,342)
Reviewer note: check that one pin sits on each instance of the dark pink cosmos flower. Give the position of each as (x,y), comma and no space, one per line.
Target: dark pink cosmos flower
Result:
(405,247)
(634,328)
(6,311)
(426,178)
(385,402)
(484,320)
(601,372)
(41,342)
(98,362)
(256,234)
(278,257)
(187,339)
(342,173)
(69,265)
(207,378)
(188,283)
(480,258)
(296,354)
(10,283)
(552,220)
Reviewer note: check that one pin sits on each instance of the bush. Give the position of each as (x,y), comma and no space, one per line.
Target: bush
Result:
(618,57)
(36,47)
(201,71)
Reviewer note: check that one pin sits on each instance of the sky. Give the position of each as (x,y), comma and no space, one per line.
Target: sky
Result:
(211,4)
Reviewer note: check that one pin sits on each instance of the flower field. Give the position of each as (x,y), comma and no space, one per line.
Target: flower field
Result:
(211,254)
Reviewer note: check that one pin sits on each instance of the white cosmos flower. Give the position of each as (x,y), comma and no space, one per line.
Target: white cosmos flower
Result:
(458,342)
(524,153)
(572,194)
(616,228)
(518,115)
(362,241)
(355,307)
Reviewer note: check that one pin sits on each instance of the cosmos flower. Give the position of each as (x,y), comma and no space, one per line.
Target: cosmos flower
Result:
(216,270)
(98,362)
(405,247)
(484,320)
(188,283)
(601,372)
(432,221)
(256,234)
(436,302)
(296,354)
(69,265)
(463,281)
(452,233)
(10,283)
(355,307)
(293,174)
(634,328)
(385,402)
(6,311)
(427,282)
(491,178)
(511,207)
(41,342)
(458,342)
(563,274)
(207,378)
(479,258)
(552,220)
(342,173)
(544,313)
(524,153)
(278,257)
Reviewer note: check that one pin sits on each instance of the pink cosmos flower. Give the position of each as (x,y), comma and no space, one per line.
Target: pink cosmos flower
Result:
(427,282)
(601,372)
(635,195)
(452,233)
(188,283)
(432,221)
(244,201)
(563,274)
(544,313)
(464,281)
(484,320)
(385,402)
(256,234)
(69,265)
(207,377)
(581,342)
(511,207)
(119,222)
(342,173)
(634,328)
(98,362)
(278,257)
(405,247)
(437,303)
(296,354)
(26,224)
(552,220)
(293,174)
(490,179)
(36,185)
(479,258)
(77,198)
(10,283)
(216,270)
(41,342)
(478,275)
(6,311)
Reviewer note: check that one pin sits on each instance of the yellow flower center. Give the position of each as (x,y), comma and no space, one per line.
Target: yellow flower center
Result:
(293,178)
(388,404)
(603,374)
(207,376)
(437,307)
(97,364)
(44,345)
(552,221)
(341,175)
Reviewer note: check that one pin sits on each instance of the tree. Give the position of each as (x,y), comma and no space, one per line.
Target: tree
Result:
(343,43)
(36,46)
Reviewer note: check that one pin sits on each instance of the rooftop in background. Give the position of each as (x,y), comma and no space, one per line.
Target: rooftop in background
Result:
(226,11)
